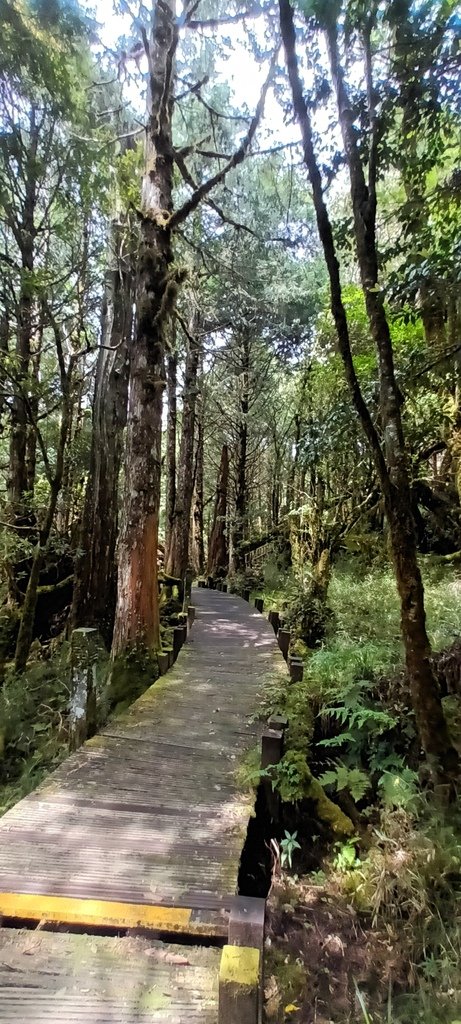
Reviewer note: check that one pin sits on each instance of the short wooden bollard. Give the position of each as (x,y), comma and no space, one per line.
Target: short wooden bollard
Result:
(247,920)
(296,669)
(201,585)
(239,975)
(246,595)
(271,747)
(178,639)
(190,615)
(283,637)
(224,588)
(163,662)
(87,658)
(274,619)
(170,653)
(259,604)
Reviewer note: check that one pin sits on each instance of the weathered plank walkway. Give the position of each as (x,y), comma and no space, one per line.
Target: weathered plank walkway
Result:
(142,828)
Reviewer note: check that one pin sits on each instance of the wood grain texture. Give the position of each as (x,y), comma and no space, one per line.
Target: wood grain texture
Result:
(64,979)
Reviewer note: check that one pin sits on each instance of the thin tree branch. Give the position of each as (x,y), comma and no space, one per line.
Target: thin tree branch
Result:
(238,157)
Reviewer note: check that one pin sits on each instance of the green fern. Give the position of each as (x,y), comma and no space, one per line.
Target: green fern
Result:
(353,779)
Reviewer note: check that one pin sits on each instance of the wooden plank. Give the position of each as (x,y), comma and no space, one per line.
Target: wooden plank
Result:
(65,979)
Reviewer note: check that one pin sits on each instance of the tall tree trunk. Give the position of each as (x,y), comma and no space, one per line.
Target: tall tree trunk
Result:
(137,626)
(239,525)
(95,569)
(31,444)
(172,368)
(17,480)
(391,467)
(197,544)
(178,555)
(218,556)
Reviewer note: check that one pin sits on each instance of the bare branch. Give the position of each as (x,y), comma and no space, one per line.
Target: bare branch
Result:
(238,157)
(231,19)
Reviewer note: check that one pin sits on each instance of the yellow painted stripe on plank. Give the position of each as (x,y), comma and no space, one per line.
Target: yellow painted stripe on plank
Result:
(95,913)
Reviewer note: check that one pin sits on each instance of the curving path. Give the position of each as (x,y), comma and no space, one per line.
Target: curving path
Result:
(142,828)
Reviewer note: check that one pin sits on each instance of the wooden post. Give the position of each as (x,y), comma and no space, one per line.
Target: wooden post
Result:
(239,975)
(163,662)
(271,747)
(88,661)
(246,928)
(224,588)
(246,595)
(177,641)
(296,669)
(284,637)
(201,585)
(170,653)
(259,604)
(191,615)
(274,619)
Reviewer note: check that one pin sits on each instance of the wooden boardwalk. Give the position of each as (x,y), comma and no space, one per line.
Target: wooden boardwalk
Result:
(142,828)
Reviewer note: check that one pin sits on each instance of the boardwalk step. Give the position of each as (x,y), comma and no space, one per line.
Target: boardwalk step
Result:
(106,916)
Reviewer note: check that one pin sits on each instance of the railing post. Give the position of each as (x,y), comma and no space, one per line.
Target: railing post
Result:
(274,619)
(177,641)
(259,604)
(296,669)
(163,662)
(87,657)
(283,637)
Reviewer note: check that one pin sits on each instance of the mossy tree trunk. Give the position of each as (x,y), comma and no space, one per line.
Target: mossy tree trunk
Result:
(95,569)
(178,553)
(137,610)
(137,627)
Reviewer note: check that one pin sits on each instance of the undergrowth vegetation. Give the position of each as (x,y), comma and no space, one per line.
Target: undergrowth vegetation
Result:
(33,730)
(397,873)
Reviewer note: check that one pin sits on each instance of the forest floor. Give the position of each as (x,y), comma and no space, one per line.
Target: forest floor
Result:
(365,929)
